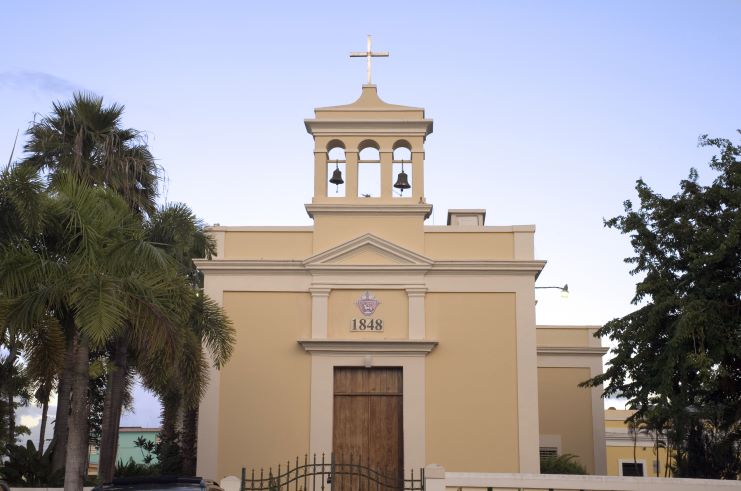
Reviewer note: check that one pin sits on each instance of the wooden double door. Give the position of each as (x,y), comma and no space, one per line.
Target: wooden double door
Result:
(368,416)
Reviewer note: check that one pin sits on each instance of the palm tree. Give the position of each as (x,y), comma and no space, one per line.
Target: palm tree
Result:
(44,351)
(181,389)
(21,219)
(85,139)
(104,275)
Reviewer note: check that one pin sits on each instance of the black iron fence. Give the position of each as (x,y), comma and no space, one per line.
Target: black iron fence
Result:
(333,474)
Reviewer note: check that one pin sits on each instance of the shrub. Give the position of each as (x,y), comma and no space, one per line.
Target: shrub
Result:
(563,464)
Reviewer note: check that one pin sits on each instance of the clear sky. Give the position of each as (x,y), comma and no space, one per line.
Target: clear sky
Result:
(545,112)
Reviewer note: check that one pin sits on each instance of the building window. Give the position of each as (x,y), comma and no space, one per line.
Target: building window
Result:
(369,173)
(336,160)
(401,160)
(632,468)
(548,452)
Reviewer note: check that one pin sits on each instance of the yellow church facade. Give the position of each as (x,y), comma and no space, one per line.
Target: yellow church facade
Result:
(374,334)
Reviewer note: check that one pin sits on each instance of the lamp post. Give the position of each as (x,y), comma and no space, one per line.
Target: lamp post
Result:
(564,289)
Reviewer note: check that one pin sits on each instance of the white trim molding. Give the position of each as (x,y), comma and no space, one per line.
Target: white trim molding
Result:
(402,347)
(413,403)
(355,208)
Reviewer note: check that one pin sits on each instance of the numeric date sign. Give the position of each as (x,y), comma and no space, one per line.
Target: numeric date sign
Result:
(375,325)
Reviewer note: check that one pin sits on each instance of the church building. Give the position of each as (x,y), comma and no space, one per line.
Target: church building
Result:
(374,334)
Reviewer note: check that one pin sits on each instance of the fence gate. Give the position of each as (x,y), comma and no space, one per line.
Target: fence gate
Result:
(333,474)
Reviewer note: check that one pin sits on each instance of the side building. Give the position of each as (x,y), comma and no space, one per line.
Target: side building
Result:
(127,437)
(632,449)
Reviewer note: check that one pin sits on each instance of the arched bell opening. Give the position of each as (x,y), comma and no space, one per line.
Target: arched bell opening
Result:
(369,170)
(336,170)
(402,170)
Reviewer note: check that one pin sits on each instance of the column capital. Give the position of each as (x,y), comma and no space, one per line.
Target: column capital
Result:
(319,291)
(416,291)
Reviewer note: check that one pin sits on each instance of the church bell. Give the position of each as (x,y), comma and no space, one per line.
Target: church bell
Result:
(402,180)
(337,176)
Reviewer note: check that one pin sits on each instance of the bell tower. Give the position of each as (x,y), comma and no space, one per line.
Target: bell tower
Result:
(369,169)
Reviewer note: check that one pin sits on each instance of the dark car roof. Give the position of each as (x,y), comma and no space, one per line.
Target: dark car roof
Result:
(170,483)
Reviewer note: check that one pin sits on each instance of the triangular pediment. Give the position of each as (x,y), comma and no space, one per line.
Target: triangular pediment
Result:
(370,251)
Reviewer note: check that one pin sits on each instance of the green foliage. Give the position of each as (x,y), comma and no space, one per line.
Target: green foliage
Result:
(561,464)
(85,252)
(147,448)
(24,467)
(131,469)
(164,464)
(680,351)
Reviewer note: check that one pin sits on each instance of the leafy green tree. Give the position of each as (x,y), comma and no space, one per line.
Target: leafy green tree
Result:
(103,272)
(27,467)
(680,350)
(562,464)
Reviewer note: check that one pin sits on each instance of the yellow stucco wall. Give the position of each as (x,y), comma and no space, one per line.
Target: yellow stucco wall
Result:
(571,336)
(566,410)
(264,401)
(393,311)
(331,230)
(462,245)
(471,388)
(267,245)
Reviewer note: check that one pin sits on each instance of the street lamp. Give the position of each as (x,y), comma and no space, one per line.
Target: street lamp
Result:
(564,289)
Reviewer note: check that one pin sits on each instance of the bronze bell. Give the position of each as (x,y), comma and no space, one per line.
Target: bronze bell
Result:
(337,176)
(402,181)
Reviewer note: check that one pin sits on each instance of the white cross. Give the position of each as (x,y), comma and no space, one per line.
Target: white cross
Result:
(369,54)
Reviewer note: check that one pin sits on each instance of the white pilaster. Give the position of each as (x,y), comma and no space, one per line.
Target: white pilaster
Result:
(416,312)
(319,309)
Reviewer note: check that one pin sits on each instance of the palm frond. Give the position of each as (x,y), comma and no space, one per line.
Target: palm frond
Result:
(209,321)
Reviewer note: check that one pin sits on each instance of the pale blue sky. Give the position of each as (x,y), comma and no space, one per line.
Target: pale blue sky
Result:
(545,112)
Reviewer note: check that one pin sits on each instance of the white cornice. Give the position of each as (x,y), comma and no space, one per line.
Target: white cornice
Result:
(567,326)
(572,350)
(260,228)
(409,347)
(241,266)
(370,209)
(488,267)
(336,127)
(478,229)
(236,266)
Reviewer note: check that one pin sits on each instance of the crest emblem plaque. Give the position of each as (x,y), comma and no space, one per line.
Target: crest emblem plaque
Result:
(367,304)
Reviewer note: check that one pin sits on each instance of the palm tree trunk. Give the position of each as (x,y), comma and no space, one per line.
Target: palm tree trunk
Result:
(170,458)
(112,410)
(77,441)
(58,445)
(11,391)
(44,415)
(11,418)
(189,442)
(657,453)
